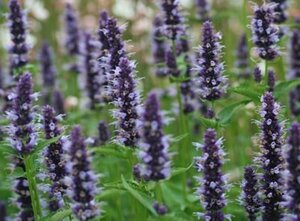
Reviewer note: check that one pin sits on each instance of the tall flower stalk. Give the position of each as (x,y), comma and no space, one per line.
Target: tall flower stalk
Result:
(202,9)
(213,182)
(271,159)
(242,55)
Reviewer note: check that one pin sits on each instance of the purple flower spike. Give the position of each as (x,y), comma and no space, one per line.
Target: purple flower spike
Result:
(271,80)
(104,17)
(242,55)
(292,193)
(83,180)
(72,30)
(202,9)
(104,133)
(17,22)
(250,198)
(173,19)
(154,156)
(126,101)
(91,69)
(171,63)
(58,102)
(212,183)
(21,188)
(264,32)
(54,159)
(257,74)
(3,215)
(161,209)
(23,135)
(211,85)
(158,46)
(271,158)
(280,11)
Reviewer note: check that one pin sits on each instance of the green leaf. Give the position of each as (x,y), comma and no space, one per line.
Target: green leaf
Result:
(211,123)
(179,138)
(178,171)
(253,94)
(227,113)
(139,196)
(59,216)
(110,151)
(285,86)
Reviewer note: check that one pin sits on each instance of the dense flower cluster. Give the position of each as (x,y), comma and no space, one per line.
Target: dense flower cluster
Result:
(23,136)
(271,158)
(17,22)
(202,9)
(104,133)
(58,102)
(242,55)
(54,159)
(292,193)
(264,32)
(210,83)
(250,198)
(213,182)
(82,182)
(271,80)
(257,74)
(126,101)
(280,10)
(154,156)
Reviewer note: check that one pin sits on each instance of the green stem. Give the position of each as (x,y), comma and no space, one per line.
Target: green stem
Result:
(158,192)
(35,201)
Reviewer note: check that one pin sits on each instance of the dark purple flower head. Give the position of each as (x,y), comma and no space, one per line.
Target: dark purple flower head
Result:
(158,46)
(103,19)
(212,183)
(3,215)
(161,209)
(58,102)
(82,179)
(257,74)
(154,156)
(23,201)
(23,136)
(202,9)
(292,193)
(294,54)
(170,59)
(126,101)
(47,67)
(173,19)
(271,80)
(264,32)
(280,10)
(104,133)
(72,30)
(249,196)
(17,22)
(91,69)
(271,158)
(210,83)
(54,159)
(242,55)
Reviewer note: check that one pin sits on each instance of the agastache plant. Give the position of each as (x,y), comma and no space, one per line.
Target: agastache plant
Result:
(126,101)
(58,102)
(82,180)
(17,22)
(280,10)
(250,190)
(91,69)
(154,145)
(242,55)
(257,74)
(210,83)
(292,192)
(54,159)
(202,9)
(213,182)
(104,133)
(264,32)
(271,159)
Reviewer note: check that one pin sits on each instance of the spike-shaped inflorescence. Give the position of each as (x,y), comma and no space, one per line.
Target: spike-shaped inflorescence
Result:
(271,80)
(264,32)
(104,133)
(271,159)
(213,182)
(210,83)
(294,72)
(48,71)
(154,156)
(159,47)
(250,198)
(202,9)
(17,22)
(54,159)
(126,101)
(292,194)
(242,55)
(58,102)
(257,74)
(23,136)
(280,10)
(82,183)
(91,69)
